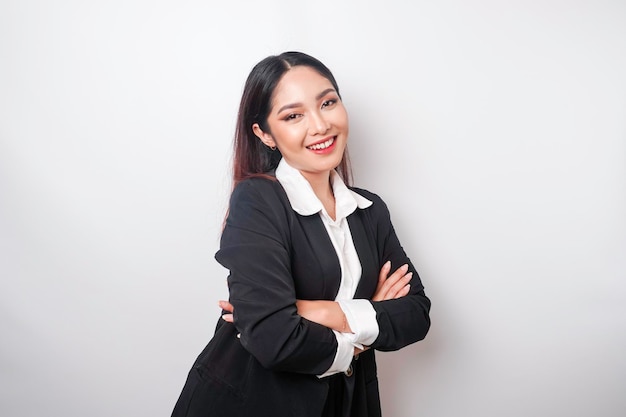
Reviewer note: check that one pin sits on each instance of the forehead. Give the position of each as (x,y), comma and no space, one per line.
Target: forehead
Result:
(299,84)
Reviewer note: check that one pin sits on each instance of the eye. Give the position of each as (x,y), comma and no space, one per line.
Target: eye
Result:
(328,103)
(291,116)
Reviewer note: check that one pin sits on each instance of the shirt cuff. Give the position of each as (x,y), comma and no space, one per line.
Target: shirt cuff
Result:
(343,357)
(361,317)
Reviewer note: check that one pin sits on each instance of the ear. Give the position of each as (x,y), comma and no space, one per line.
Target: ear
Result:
(266,138)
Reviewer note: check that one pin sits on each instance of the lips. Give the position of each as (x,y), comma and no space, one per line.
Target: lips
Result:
(320,146)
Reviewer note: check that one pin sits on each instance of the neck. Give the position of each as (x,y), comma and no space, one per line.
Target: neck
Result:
(320,183)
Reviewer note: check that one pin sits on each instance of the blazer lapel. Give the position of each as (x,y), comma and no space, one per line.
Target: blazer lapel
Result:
(324,254)
(367,255)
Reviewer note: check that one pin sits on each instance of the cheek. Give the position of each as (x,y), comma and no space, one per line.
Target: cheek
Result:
(341,118)
(289,135)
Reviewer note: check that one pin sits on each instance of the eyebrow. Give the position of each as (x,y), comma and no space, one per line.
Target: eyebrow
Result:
(317,97)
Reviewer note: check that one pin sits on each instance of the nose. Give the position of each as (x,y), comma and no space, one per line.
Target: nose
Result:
(319,125)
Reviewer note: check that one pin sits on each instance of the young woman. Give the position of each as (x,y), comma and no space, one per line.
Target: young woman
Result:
(312,292)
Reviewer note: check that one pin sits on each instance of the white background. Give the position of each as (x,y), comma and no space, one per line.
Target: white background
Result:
(494,130)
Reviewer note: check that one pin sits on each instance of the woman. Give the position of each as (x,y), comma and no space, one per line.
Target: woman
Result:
(311,289)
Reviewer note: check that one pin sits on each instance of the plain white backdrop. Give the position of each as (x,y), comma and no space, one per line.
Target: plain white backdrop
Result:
(494,130)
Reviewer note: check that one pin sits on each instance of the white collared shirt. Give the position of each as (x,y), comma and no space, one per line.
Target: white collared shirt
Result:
(360,314)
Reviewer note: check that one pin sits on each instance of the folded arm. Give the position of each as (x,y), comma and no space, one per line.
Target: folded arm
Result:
(254,247)
(331,315)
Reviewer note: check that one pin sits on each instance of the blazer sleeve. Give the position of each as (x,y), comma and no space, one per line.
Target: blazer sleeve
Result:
(255,248)
(404,320)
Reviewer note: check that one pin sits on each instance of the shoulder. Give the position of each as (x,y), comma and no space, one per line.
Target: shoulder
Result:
(258,196)
(257,188)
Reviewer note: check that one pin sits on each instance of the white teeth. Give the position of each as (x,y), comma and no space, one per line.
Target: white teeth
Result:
(322,145)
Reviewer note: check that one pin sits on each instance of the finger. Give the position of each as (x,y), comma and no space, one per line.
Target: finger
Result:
(384,272)
(393,284)
(382,277)
(228,318)
(404,291)
(386,281)
(226,306)
(399,286)
(394,278)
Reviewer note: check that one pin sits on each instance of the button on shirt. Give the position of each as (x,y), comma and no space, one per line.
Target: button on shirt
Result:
(360,314)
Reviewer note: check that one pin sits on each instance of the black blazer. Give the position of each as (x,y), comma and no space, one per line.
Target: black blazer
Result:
(266,363)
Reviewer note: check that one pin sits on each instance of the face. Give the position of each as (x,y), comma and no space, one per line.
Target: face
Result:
(307,122)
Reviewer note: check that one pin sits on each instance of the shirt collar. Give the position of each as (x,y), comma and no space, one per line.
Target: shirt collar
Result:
(304,201)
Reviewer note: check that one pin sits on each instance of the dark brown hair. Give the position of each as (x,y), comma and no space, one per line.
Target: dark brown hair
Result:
(251,158)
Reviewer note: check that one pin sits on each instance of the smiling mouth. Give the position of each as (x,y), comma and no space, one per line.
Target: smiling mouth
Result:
(322,145)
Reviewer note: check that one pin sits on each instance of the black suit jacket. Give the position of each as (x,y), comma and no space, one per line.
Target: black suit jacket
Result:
(265,364)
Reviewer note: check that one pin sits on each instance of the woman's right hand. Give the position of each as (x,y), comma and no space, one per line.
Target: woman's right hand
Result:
(228,307)
(392,286)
